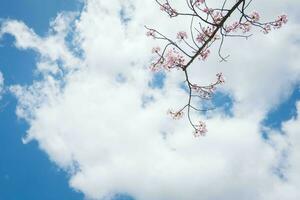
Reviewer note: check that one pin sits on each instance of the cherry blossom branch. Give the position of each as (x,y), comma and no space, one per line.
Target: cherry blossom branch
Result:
(207,25)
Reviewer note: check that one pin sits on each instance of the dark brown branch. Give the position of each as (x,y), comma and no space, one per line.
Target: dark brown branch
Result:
(213,34)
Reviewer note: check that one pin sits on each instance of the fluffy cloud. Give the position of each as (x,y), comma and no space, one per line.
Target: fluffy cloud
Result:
(51,49)
(288,144)
(101,129)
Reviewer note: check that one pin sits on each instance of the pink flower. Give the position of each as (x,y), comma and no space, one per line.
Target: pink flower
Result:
(199,2)
(206,33)
(266,28)
(151,33)
(168,9)
(173,60)
(200,129)
(200,37)
(217,17)
(278,23)
(204,54)
(282,19)
(203,92)
(255,16)
(155,49)
(207,10)
(232,28)
(246,27)
(181,35)
(176,115)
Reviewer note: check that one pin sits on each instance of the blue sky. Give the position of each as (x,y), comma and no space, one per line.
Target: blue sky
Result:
(26,171)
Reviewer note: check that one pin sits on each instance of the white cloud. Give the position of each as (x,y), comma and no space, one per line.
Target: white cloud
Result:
(289,144)
(52,48)
(99,125)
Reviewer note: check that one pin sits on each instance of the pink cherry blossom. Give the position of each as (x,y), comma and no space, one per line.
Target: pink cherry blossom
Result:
(199,2)
(176,115)
(155,49)
(181,35)
(217,17)
(232,28)
(282,19)
(151,33)
(266,29)
(173,60)
(245,27)
(168,9)
(200,129)
(255,16)
(204,54)
(207,10)
(205,34)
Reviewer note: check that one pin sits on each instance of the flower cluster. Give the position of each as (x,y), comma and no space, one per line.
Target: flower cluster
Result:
(205,34)
(176,115)
(200,129)
(172,59)
(181,35)
(205,92)
(245,27)
(253,20)
(282,19)
(278,23)
(168,9)
(217,17)
(232,28)
(204,54)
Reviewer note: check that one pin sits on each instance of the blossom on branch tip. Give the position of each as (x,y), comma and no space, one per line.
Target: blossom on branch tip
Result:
(155,49)
(168,9)
(200,129)
(151,33)
(202,91)
(176,115)
(255,16)
(282,19)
